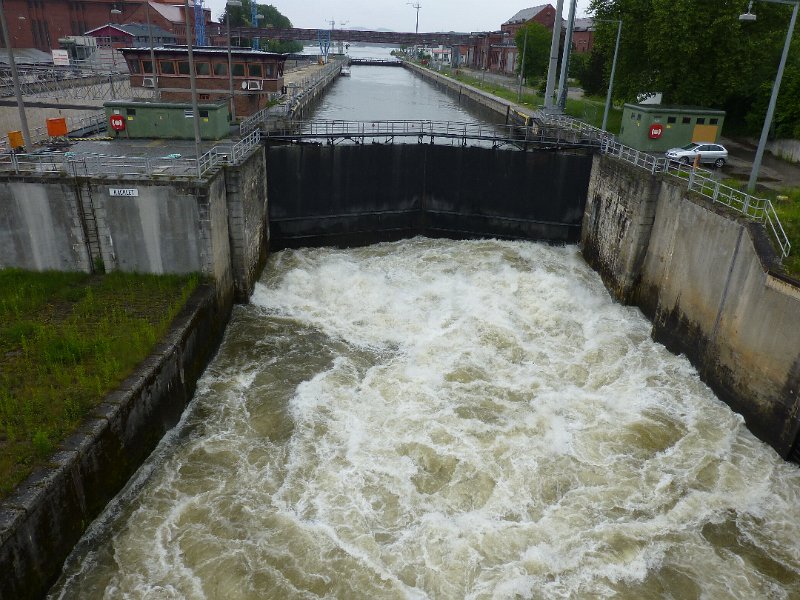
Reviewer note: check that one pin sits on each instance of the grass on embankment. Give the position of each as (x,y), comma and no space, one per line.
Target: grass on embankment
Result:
(589,109)
(66,340)
(789,214)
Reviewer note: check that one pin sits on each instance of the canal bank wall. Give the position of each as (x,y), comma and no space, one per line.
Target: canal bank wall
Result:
(216,227)
(472,97)
(45,517)
(710,284)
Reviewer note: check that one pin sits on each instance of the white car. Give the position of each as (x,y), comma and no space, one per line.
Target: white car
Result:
(709,153)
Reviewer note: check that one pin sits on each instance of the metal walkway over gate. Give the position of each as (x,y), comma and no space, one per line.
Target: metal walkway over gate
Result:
(537,136)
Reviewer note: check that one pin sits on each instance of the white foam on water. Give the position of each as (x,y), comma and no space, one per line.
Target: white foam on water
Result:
(436,419)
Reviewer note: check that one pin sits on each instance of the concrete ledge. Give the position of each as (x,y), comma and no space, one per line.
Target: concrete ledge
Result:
(708,281)
(44,518)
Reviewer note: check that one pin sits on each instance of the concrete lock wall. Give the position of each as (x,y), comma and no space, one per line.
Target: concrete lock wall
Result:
(704,278)
(359,194)
(473,98)
(41,226)
(216,227)
(246,191)
(174,227)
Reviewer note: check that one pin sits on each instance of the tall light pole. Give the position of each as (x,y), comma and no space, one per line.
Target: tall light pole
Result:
(554,46)
(563,88)
(231,4)
(156,93)
(416,6)
(762,142)
(23,118)
(522,66)
(613,68)
(193,82)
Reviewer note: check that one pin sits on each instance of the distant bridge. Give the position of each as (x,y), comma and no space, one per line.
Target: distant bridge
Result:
(345,35)
(376,62)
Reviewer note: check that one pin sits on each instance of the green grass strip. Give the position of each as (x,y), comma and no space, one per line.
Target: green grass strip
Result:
(66,340)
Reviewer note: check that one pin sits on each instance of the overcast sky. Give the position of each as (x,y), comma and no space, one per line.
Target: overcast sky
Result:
(398,15)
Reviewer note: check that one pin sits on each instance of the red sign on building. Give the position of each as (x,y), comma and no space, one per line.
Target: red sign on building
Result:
(656,129)
(117,122)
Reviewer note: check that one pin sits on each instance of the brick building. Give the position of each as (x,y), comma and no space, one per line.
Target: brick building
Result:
(256,75)
(41,23)
(583,35)
(544,14)
(497,50)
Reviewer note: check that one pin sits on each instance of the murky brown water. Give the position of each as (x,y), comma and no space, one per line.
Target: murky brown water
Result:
(435,419)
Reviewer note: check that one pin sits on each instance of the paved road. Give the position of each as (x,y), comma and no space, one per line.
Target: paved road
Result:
(775,173)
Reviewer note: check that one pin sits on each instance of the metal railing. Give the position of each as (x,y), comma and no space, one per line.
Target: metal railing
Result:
(86,165)
(703,182)
(305,86)
(95,120)
(517,135)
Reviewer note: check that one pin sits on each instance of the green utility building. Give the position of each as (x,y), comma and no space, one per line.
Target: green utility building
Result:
(657,128)
(165,120)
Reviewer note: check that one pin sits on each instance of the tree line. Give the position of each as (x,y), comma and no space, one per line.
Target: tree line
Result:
(695,52)
(240,16)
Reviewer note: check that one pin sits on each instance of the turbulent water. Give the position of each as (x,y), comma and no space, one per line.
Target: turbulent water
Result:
(435,419)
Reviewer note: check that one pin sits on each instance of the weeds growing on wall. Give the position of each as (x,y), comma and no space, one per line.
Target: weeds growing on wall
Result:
(789,213)
(66,340)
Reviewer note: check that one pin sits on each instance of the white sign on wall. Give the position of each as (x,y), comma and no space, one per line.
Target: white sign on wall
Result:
(128,192)
(60,58)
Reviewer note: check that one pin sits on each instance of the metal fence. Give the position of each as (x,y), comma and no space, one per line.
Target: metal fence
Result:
(95,120)
(496,135)
(704,182)
(305,85)
(86,165)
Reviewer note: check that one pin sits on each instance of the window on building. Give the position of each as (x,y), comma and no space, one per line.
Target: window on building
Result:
(203,114)
(701,121)
(131,112)
(713,121)
(167,67)
(147,66)
(269,70)
(671,119)
(639,117)
(254,70)
(220,69)
(135,66)
(202,68)
(183,67)
(686,120)
(238,70)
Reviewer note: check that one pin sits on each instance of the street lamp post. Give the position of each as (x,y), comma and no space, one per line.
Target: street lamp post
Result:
(193,82)
(417,6)
(156,93)
(762,142)
(231,4)
(613,69)
(23,118)
(522,66)
(563,87)
(553,66)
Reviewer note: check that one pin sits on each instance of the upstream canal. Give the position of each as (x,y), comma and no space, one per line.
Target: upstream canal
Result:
(440,419)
